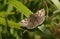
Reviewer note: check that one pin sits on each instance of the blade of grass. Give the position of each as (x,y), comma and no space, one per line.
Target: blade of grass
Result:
(19,6)
(2,13)
(46,32)
(10,23)
(57,3)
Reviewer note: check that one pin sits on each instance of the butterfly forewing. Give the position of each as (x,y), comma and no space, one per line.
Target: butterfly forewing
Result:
(34,19)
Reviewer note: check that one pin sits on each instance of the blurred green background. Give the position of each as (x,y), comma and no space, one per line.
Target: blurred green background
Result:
(13,11)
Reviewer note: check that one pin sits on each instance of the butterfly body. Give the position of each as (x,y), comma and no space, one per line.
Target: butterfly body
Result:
(34,19)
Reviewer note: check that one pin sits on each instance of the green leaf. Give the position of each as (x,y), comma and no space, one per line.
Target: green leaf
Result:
(10,23)
(2,14)
(57,3)
(10,8)
(19,6)
(46,32)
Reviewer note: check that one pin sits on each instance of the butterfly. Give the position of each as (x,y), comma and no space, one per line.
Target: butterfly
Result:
(34,20)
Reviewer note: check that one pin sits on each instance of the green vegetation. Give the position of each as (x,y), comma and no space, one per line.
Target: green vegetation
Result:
(13,11)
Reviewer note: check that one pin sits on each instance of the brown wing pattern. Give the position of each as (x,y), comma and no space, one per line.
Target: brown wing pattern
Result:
(34,19)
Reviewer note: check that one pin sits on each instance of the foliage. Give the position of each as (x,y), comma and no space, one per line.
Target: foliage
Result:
(13,11)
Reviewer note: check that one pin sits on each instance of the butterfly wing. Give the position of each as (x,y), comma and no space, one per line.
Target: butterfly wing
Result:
(30,22)
(24,22)
(40,15)
(33,20)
